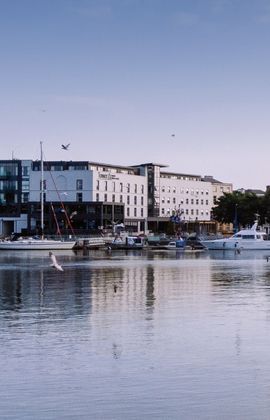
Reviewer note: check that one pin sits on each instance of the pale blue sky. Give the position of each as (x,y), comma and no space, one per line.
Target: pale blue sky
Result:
(115,78)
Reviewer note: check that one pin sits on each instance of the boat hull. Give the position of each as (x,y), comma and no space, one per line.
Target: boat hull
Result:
(232,244)
(36,245)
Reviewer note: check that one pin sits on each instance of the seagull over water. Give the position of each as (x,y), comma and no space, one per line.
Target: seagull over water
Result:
(65,146)
(54,262)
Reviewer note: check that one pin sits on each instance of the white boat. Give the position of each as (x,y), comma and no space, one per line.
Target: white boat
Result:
(249,239)
(39,243)
(36,244)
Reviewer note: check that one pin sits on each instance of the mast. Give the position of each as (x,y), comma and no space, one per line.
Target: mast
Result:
(42,192)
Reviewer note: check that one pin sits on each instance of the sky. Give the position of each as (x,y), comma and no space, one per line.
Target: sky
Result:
(184,83)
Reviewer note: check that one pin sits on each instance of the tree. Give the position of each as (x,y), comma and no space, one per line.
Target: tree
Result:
(240,206)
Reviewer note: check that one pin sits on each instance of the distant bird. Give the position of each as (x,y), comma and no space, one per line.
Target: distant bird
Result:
(65,146)
(54,262)
(172,135)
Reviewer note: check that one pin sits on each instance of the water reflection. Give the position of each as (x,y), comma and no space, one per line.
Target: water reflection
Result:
(127,336)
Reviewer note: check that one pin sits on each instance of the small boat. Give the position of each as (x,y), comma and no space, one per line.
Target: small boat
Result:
(36,244)
(172,245)
(249,239)
(129,242)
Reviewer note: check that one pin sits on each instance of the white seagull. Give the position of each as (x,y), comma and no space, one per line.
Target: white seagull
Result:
(54,262)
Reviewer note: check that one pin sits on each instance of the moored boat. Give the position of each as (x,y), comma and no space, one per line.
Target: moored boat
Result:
(249,239)
(36,244)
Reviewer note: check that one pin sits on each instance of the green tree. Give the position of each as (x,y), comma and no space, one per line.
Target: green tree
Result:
(238,207)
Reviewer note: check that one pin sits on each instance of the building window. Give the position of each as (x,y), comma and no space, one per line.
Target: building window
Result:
(135,200)
(186,200)
(79,197)
(25,171)
(141,212)
(192,212)
(135,212)
(121,186)
(142,189)
(186,211)
(121,199)
(197,201)
(135,188)
(106,185)
(163,200)
(128,188)
(127,211)
(128,199)
(142,201)
(202,202)
(97,184)
(162,211)
(113,198)
(207,202)
(105,197)
(192,201)
(97,196)
(79,184)
(174,190)
(174,200)
(113,186)
(25,197)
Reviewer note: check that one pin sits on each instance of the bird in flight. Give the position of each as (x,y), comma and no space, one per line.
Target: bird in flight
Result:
(172,135)
(54,262)
(65,146)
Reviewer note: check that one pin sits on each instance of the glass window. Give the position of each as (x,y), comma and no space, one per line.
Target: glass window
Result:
(97,197)
(79,197)
(79,184)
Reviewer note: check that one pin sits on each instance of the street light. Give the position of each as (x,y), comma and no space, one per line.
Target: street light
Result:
(235,222)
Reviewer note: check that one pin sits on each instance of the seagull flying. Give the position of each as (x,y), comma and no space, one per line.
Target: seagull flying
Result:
(65,146)
(54,262)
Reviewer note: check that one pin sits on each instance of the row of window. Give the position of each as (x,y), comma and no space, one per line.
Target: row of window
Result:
(103,185)
(106,199)
(184,190)
(191,212)
(135,213)
(191,201)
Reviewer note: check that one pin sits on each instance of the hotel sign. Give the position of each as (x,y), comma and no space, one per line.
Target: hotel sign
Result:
(107,176)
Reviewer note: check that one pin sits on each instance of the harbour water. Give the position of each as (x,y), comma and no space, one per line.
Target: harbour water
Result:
(149,335)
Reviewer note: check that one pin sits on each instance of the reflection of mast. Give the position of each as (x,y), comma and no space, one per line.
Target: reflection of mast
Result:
(42,192)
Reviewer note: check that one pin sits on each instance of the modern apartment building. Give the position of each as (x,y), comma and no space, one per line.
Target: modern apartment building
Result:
(98,195)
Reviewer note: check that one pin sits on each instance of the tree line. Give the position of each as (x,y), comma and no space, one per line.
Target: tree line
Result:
(242,208)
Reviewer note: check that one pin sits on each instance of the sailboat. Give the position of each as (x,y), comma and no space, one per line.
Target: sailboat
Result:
(38,243)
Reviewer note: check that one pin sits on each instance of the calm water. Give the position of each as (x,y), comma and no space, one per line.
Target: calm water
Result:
(149,335)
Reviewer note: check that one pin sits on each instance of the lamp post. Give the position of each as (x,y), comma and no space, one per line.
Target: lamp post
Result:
(235,222)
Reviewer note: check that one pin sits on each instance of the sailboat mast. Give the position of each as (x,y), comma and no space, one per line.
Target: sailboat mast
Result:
(42,191)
